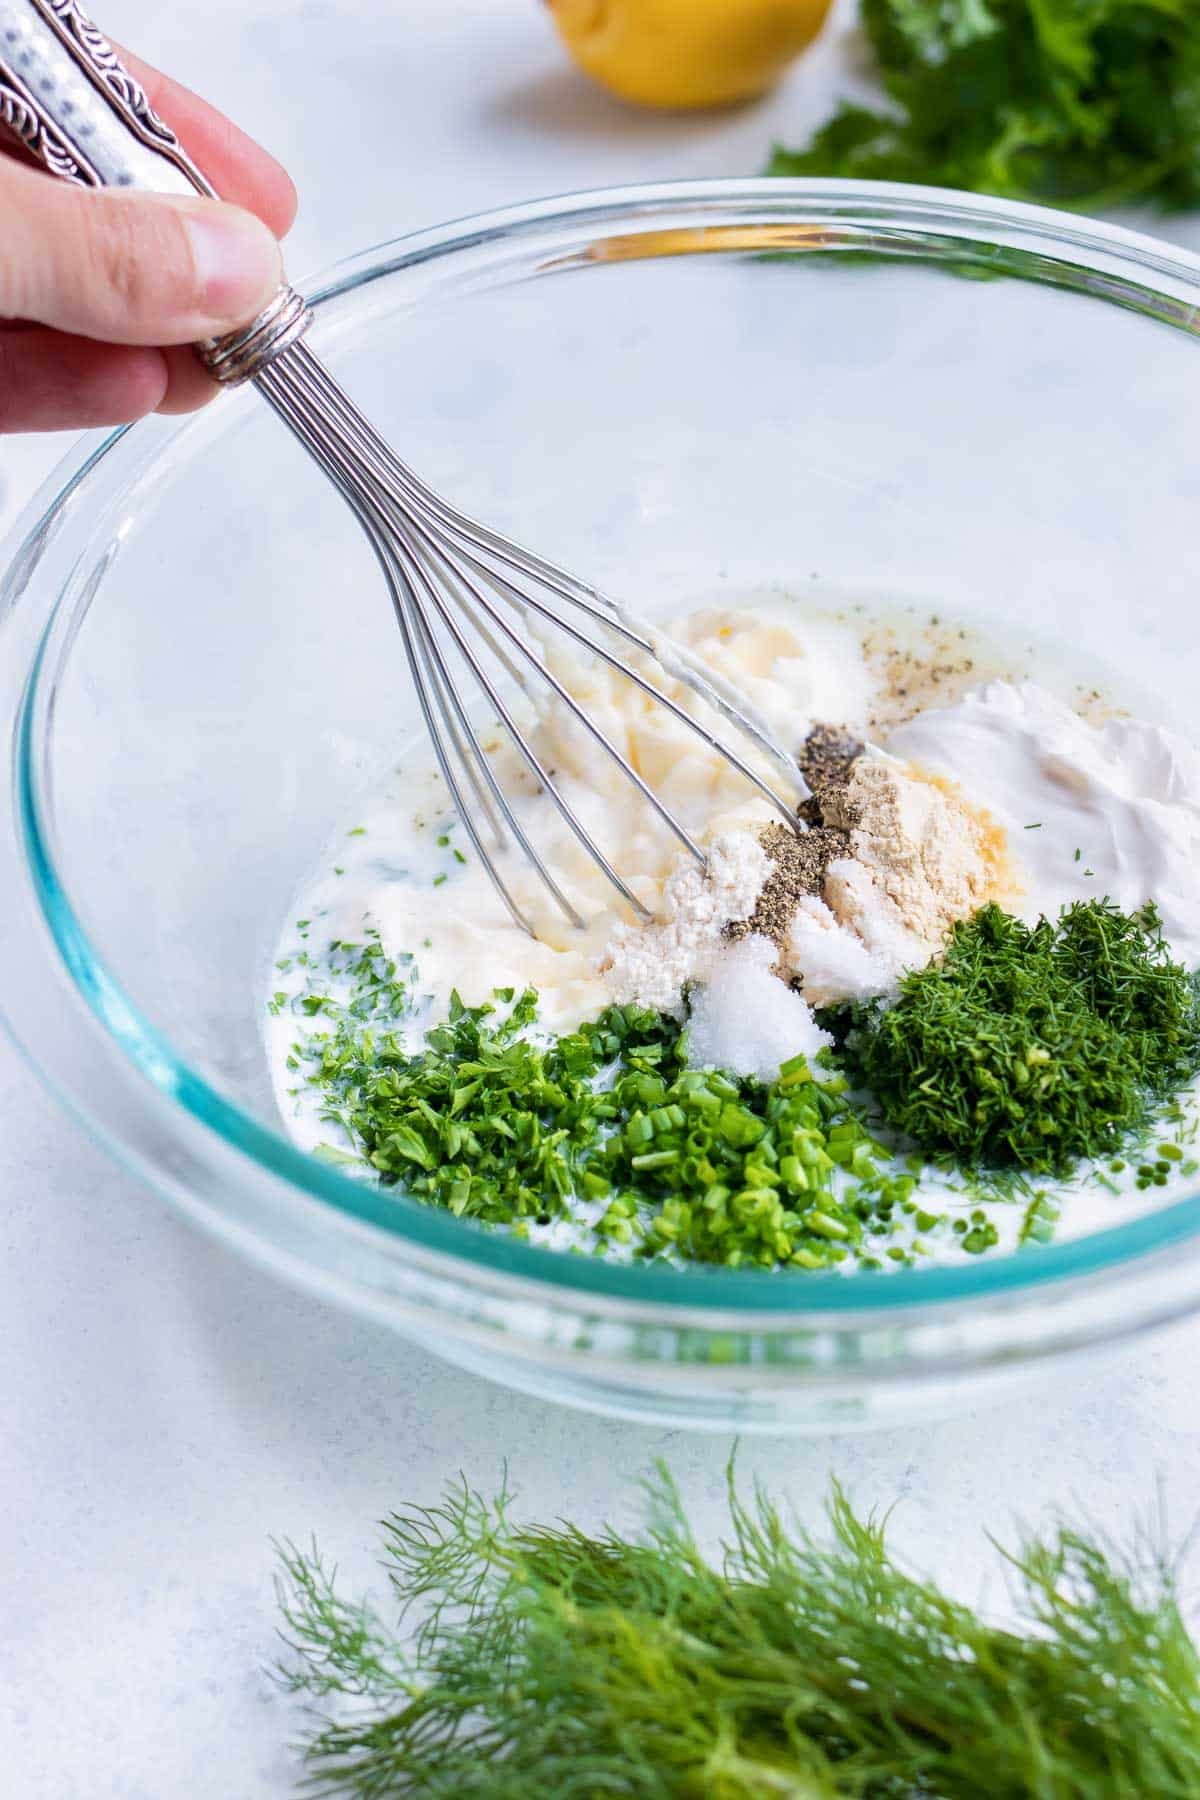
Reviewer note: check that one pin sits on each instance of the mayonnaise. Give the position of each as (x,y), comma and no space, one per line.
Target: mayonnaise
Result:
(463,933)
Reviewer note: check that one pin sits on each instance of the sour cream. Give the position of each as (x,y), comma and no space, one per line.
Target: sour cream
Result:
(1089,811)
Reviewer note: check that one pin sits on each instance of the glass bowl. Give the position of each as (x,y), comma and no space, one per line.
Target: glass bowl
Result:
(677,391)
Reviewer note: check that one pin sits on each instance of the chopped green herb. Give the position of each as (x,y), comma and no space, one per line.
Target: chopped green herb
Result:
(1034,1046)
(494,1126)
(438,880)
(328,1153)
(1041,1219)
(310,1004)
(1035,827)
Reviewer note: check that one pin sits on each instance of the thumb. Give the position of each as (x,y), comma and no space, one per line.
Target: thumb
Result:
(129,268)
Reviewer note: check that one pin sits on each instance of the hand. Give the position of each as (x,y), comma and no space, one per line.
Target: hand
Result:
(94,284)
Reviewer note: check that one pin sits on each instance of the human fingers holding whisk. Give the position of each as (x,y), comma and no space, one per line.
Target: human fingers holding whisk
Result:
(102,293)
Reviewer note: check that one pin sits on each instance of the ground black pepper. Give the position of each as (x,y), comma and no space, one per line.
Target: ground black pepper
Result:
(799,859)
(826,758)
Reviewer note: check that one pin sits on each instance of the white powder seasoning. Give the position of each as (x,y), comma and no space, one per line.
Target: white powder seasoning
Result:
(918,859)
(650,965)
(924,849)
(833,963)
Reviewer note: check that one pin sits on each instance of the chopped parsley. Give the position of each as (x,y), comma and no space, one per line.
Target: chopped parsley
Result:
(1023,1052)
(495,1126)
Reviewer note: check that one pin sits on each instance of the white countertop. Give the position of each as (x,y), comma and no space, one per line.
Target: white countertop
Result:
(164,1409)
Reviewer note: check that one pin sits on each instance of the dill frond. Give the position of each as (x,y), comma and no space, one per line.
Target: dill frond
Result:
(548,1661)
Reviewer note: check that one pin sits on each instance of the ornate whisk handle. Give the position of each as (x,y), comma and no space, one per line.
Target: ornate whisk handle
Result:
(65,94)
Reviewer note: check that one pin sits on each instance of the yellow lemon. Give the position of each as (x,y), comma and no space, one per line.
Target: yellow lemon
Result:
(687,52)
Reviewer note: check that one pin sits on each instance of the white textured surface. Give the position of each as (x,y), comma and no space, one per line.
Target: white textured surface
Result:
(164,1409)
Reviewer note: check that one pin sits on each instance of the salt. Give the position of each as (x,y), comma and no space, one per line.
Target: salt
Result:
(745,1019)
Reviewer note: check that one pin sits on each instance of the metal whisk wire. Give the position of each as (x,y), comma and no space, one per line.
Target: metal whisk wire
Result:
(77,109)
(439,564)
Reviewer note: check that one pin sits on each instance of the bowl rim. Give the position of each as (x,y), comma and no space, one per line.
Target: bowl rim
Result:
(775,1294)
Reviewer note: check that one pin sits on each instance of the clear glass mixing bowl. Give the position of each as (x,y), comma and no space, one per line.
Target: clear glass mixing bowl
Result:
(672,390)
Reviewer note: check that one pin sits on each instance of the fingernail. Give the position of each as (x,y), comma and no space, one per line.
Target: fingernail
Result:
(237,262)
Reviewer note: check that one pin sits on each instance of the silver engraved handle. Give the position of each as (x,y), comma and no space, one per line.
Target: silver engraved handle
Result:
(66,96)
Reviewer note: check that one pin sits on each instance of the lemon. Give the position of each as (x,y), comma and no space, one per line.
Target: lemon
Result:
(687,52)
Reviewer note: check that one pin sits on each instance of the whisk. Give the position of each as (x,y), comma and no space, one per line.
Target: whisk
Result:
(463,595)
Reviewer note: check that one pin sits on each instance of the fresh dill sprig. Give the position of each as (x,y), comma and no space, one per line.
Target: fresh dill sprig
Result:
(1034,1046)
(525,1661)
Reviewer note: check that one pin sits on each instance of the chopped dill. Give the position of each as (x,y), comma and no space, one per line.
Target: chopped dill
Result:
(1034,1046)
(545,1660)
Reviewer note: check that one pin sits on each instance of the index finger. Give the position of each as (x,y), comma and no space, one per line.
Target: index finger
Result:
(238,168)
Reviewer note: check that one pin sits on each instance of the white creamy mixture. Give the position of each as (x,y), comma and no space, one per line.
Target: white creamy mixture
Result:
(1005,794)
(1088,810)
(462,931)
